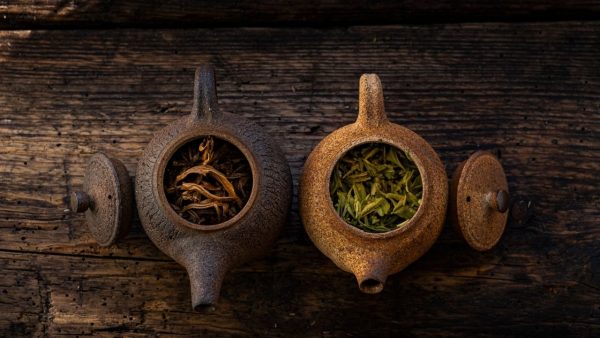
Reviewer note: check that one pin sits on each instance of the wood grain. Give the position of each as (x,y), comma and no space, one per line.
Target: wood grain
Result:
(28,14)
(528,92)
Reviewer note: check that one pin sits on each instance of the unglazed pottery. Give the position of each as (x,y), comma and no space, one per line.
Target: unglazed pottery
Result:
(478,209)
(106,199)
(371,257)
(479,200)
(208,251)
(479,197)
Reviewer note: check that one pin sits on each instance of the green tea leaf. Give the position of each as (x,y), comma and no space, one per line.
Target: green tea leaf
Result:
(371,206)
(376,187)
(405,212)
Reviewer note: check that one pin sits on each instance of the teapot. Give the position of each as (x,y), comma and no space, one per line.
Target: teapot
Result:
(478,198)
(207,251)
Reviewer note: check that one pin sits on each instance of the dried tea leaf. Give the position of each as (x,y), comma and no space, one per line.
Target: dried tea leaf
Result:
(203,191)
(204,169)
(376,187)
(208,181)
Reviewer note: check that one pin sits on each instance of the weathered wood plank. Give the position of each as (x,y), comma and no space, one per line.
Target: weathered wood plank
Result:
(529,92)
(28,14)
(99,296)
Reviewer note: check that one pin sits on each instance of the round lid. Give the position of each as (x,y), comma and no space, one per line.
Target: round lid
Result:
(106,199)
(479,200)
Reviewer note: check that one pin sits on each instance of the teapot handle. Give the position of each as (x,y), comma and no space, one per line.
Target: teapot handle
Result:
(205,94)
(371,110)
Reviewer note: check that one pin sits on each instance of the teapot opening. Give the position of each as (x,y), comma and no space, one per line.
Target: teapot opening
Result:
(370,285)
(376,187)
(208,181)
(204,308)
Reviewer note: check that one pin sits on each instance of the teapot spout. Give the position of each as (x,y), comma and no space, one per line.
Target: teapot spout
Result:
(371,278)
(206,278)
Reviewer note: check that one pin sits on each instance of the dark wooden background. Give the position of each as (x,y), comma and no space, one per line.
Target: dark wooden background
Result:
(518,78)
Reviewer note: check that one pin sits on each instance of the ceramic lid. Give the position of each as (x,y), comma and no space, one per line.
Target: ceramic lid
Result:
(479,200)
(106,199)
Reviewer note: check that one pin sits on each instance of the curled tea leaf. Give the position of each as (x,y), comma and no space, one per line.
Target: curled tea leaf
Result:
(204,169)
(208,181)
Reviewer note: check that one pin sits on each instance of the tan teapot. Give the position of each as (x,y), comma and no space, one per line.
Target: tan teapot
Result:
(479,211)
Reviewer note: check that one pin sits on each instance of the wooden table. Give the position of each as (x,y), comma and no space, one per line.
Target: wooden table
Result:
(527,90)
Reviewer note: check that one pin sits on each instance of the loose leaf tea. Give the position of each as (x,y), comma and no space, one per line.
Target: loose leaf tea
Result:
(208,181)
(376,187)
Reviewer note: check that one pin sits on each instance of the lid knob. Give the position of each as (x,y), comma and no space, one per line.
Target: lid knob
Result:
(80,201)
(499,200)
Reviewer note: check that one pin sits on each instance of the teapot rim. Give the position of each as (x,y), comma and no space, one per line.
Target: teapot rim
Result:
(182,139)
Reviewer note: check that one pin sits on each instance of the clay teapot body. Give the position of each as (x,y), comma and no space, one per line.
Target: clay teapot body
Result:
(371,257)
(208,252)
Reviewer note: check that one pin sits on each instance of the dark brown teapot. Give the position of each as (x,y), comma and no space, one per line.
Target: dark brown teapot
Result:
(209,251)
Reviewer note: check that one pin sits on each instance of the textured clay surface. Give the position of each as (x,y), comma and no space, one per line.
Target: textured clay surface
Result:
(110,193)
(371,257)
(473,212)
(208,252)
